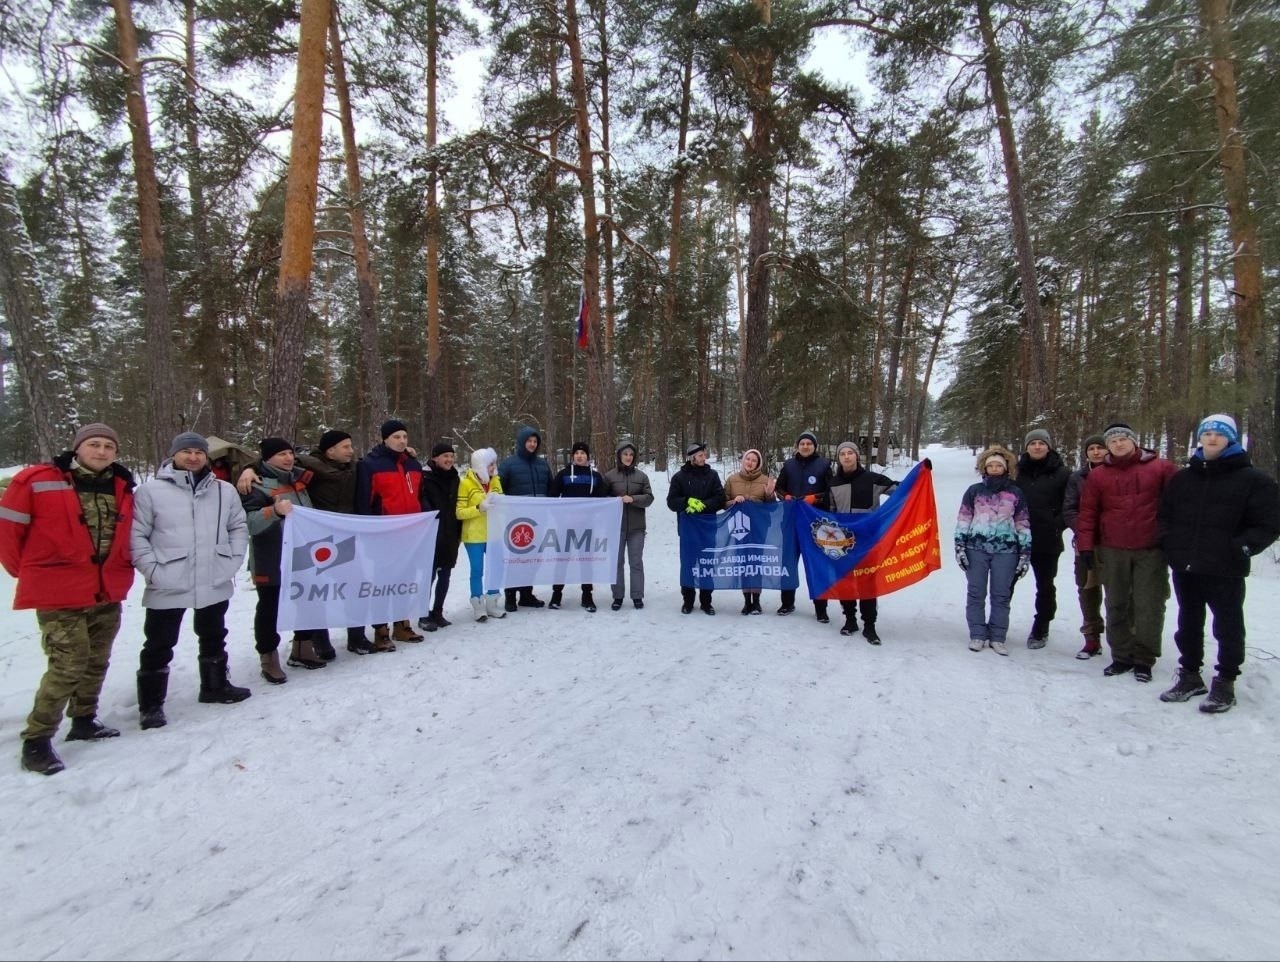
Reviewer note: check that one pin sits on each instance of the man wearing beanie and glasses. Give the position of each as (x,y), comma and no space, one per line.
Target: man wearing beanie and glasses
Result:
(1043,479)
(64,535)
(1215,514)
(1116,534)
(389,481)
(189,539)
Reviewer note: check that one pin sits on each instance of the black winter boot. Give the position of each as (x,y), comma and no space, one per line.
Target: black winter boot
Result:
(358,643)
(850,626)
(557,599)
(820,612)
(323,646)
(38,756)
(1186,685)
(438,619)
(152,688)
(87,728)
(509,596)
(215,687)
(1222,695)
(588,602)
(869,632)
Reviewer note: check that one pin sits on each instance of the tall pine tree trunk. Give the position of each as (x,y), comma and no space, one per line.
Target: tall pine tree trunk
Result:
(209,349)
(993,65)
(1246,251)
(432,394)
(667,323)
(284,366)
(375,379)
(162,401)
(600,393)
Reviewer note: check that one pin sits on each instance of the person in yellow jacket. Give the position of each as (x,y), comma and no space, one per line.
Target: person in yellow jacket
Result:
(476,492)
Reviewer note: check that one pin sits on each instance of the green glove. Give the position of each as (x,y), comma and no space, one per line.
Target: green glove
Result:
(695,506)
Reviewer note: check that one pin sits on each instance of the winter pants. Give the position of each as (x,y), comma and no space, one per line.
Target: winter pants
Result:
(161,628)
(1045,568)
(442,577)
(77,643)
(989,573)
(1135,586)
(868,607)
(1224,596)
(633,546)
(475,557)
(1089,591)
(265,637)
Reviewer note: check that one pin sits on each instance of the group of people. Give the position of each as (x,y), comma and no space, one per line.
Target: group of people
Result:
(74,530)
(1135,517)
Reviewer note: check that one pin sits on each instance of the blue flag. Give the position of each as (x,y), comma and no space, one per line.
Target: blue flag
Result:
(749,547)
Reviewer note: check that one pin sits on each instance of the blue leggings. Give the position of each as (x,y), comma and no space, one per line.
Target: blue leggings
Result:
(475,555)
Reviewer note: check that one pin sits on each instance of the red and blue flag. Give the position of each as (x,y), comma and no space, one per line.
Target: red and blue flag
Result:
(852,556)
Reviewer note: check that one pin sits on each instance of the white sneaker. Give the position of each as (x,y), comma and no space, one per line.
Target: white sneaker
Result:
(977,644)
(1000,648)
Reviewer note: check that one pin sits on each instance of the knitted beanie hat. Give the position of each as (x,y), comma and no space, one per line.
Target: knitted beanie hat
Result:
(95,430)
(270,447)
(188,439)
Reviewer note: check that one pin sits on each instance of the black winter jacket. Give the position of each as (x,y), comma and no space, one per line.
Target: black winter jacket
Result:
(803,476)
(440,493)
(1215,515)
(858,491)
(1044,485)
(702,483)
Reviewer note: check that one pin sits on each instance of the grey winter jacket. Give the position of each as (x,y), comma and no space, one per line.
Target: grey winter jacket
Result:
(634,482)
(187,542)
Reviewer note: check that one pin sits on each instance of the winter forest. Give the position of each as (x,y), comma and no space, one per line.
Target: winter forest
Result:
(257,216)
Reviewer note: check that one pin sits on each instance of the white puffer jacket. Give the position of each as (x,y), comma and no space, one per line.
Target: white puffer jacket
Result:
(188,543)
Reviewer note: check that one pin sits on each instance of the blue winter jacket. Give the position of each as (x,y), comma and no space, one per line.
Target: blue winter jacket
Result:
(525,474)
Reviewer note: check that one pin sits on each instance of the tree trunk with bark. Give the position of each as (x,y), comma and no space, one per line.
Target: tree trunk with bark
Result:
(993,65)
(162,401)
(432,394)
(1252,344)
(293,292)
(600,393)
(209,349)
(375,386)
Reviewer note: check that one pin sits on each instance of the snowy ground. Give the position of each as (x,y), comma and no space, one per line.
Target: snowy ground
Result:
(656,785)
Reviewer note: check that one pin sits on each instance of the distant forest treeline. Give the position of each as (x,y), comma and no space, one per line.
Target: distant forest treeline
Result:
(247,217)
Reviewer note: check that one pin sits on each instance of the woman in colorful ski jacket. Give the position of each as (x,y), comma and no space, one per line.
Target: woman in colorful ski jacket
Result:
(993,547)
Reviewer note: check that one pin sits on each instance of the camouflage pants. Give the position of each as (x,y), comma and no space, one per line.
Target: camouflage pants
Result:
(77,642)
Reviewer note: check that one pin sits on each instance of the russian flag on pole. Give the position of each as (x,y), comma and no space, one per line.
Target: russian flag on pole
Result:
(851,556)
(583,316)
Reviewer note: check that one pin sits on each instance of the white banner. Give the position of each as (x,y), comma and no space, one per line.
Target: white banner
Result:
(552,541)
(344,570)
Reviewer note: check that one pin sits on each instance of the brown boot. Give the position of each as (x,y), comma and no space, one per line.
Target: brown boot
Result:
(404,632)
(382,639)
(271,669)
(303,654)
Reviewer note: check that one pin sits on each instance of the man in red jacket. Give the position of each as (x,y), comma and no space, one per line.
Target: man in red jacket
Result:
(389,481)
(64,534)
(1116,533)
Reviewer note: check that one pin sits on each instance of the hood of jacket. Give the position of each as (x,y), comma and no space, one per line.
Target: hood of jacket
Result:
(523,435)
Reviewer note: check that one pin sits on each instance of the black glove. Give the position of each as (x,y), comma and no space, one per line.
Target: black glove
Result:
(1087,558)
(962,558)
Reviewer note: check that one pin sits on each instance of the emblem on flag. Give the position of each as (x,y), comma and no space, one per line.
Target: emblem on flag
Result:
(324,553)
